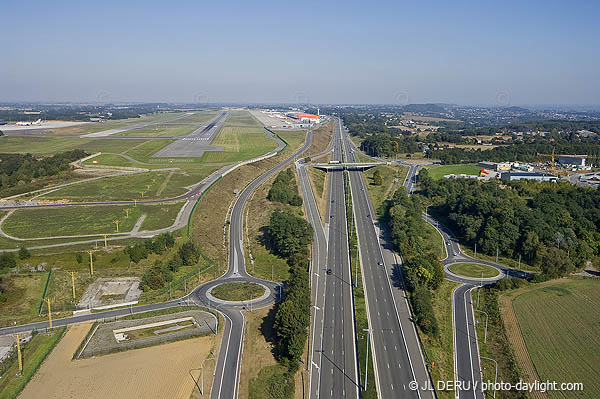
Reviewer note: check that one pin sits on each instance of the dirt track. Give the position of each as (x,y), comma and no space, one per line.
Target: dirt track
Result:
(155,372)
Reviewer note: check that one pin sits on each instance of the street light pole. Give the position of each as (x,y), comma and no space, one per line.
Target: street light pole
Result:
(356,268)
(486,324)
(479,289)
(496,377)
(368,331)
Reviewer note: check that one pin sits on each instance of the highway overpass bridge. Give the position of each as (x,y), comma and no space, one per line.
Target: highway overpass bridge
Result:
(347,165)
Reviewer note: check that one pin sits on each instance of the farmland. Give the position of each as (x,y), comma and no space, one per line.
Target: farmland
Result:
(560,325)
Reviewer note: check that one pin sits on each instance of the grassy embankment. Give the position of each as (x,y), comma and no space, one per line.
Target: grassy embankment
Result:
(34,353)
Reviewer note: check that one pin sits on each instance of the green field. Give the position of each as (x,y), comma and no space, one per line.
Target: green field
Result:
(561,328)
(437,172)
(393,177)
(238,291)
(126,188)
(473,270)
(241,117)
(53,145)
(240,143)
(159,130)
(67,221)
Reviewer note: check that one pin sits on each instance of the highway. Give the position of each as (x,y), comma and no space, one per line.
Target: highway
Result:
(394,366)
(338,376)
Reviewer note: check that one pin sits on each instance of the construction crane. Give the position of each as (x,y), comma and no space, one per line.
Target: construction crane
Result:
(553,167)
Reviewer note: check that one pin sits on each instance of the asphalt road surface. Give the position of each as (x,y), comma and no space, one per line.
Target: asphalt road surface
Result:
(338,376)
(394,369)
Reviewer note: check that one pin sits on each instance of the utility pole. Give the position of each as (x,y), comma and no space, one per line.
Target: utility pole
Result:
(19,356)
(49,313)
(91,262)
(116,222)
(519,267)
(475,250)
(126,213)
(105,235)
(134,203)
(496,254)
(142,194)
(73,284)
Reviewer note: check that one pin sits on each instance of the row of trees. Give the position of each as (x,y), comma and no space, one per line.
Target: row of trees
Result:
(19,169)
(162,272)
(288,236)
(555,226)
(285,189)
(423,273)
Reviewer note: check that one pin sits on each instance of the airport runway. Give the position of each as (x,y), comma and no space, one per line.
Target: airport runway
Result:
(196,143)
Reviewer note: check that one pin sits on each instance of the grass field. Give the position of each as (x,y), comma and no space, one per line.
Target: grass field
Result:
(393,177)
(238,291)
(66,221)
(34,353)
(473,270)
(440,350)
(241,117)
(560,324)
(159,130)
(437,172)
(240,143)
(259,368)
(119,188)
(53,145)
(23,293)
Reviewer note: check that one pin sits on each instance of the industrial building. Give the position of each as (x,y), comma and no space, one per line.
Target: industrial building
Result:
(574,160)
(498,167)
(513,176)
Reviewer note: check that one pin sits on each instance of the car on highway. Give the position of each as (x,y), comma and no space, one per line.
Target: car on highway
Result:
(328,271)
(380,263)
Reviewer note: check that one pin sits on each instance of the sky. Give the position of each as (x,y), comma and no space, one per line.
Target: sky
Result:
(343,52)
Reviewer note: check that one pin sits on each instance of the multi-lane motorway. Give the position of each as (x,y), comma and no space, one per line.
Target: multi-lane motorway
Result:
(338,377)
(394,365)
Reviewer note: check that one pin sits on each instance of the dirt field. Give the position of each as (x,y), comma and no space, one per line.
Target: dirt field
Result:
(134,374)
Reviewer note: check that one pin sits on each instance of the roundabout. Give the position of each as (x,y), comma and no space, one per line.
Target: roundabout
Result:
(237,292)
(474,272)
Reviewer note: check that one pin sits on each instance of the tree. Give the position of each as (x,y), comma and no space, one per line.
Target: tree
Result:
(287,233)
(7,261)
(377,179)
(24,253)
